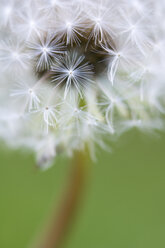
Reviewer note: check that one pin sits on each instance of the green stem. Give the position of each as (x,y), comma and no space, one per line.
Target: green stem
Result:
(62,220)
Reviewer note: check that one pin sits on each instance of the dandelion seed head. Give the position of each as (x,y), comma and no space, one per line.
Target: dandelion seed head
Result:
(77,73)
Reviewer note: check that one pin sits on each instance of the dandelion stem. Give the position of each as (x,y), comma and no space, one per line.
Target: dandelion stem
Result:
(62,220)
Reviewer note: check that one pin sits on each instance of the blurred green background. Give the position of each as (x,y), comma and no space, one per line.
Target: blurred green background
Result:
(124,204)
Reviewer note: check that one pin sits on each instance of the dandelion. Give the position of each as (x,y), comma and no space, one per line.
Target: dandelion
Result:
(74,72)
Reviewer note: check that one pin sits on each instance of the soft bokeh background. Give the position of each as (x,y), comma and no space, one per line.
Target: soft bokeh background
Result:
(124,204)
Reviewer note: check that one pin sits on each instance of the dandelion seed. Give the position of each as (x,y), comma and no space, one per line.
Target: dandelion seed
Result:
(72,69)
(12,56)
(28,94)
(70,26)
(100,16)
(49,115)
(31,19)
(45,51)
